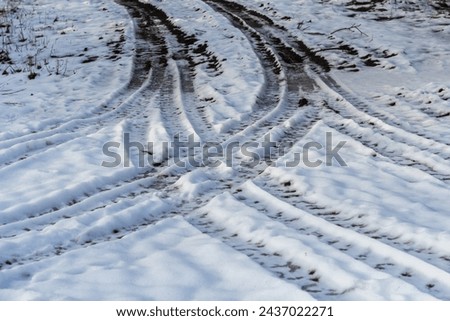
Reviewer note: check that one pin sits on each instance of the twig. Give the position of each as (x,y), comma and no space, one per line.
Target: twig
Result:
(354,26)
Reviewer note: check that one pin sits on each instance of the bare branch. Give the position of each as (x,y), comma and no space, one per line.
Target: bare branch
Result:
(351,28)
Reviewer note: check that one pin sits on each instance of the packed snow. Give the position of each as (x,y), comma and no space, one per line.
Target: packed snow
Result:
(369,78)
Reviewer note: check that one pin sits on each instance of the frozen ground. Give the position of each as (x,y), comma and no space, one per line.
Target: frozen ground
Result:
(371,74)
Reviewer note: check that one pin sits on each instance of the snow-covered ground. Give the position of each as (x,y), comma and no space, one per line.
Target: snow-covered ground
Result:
(79,54)
(371,74)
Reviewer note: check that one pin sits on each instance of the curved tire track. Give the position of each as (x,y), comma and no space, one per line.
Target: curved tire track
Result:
(280,109)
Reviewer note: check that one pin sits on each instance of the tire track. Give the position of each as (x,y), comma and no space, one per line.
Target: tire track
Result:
(418,279)
(372,251)
(162,84)
(312,235)
(134,192)
(298,258)
(399,153)
(408,242)
(285,107)
(178,106)
(411,121)
(150,51)
(351,106)
(283,114)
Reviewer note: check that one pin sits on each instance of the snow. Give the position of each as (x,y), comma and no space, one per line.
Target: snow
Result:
(332,266)
(81,30)
(184,260)
(374,229)
(229,92)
